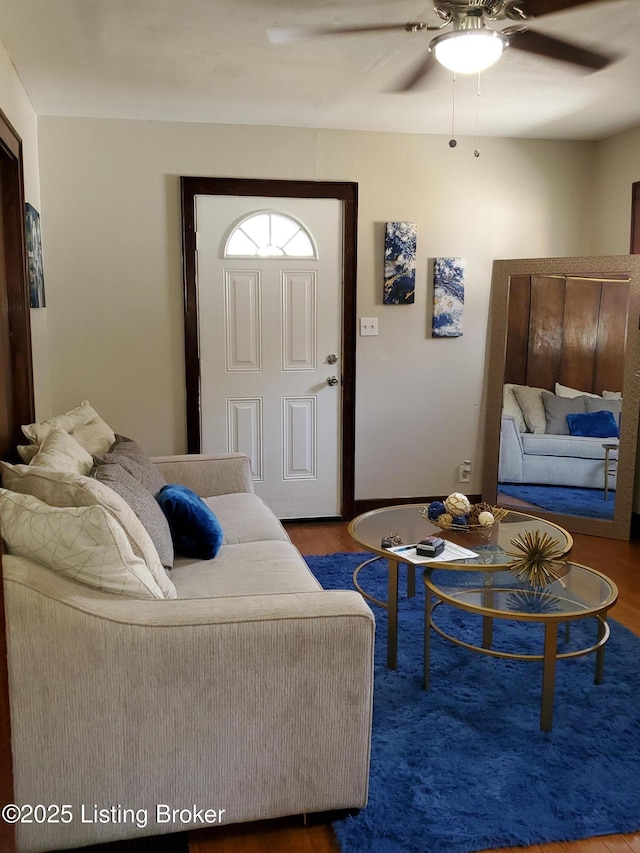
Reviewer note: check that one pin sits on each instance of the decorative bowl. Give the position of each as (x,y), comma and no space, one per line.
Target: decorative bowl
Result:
(444,523)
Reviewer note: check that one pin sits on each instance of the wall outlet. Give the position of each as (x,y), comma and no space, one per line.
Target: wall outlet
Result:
(368,326)
(464,472)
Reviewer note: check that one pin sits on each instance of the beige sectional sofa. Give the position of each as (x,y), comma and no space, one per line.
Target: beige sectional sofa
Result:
(246,696)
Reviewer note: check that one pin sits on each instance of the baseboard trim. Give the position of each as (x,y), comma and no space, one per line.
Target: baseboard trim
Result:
(367,504)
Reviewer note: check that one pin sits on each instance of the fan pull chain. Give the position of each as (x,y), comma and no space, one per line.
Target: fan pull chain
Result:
(476,151)
(452,141)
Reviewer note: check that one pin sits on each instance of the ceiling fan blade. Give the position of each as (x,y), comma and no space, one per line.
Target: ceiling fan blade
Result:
(288,35)
(543,45)
(417,74)
(537,8)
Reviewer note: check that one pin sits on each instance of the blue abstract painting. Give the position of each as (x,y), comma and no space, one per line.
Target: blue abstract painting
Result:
(34,258)
(448,297)
(400,263)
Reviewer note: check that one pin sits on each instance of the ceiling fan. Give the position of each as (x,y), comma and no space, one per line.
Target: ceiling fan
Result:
(469,45)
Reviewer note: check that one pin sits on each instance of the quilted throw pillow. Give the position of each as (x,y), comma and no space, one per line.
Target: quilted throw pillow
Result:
(61,452)
(83,423)
(62,489)
(84,543)
(194,527)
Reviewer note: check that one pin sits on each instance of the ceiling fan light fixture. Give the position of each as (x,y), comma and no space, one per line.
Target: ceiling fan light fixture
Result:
(468,51)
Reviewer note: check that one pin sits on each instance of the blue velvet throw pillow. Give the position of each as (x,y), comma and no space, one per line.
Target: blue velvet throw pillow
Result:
(594,425)
(195,530)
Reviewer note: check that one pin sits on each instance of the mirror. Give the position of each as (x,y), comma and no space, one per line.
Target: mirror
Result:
(572,321)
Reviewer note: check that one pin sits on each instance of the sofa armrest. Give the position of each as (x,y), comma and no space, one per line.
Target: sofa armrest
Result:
(208,475)
(511,452)
(256,705)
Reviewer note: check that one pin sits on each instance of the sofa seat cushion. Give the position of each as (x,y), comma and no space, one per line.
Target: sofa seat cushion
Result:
(564,445)
(255,568)
(244,517)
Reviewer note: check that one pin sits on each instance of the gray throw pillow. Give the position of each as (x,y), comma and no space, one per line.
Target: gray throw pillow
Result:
(613,406)
(556,410)
(133,459)
(144,505)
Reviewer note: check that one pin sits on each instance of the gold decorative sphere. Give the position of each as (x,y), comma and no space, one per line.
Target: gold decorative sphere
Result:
(457,504)
(445,519)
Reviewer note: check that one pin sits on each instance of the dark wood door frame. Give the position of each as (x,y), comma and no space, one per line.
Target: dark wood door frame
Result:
(347,193)
(635,219)
(19,405)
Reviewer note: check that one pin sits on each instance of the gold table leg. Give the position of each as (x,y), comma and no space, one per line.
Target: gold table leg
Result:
(548,675)
(427,639)
(392,616)
(602,630)
(488,601)
(411,580)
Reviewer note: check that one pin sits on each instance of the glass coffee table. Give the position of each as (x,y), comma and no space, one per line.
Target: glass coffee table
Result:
(406,522)
(490,593)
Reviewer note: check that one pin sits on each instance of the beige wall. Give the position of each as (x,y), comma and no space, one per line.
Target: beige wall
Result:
(16,106)
(110,203)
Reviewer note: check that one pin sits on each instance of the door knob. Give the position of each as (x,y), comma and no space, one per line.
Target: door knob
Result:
(332,358)
(332,380)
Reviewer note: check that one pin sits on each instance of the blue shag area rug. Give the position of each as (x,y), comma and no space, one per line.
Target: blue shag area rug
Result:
(464,765)
(565,499)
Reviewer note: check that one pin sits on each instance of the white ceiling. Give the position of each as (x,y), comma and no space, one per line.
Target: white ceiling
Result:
(211,61)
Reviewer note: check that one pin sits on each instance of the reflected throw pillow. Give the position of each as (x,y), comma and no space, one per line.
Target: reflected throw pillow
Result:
(557,409)
(593,425)
(195,530)
(613,406)
(530,401)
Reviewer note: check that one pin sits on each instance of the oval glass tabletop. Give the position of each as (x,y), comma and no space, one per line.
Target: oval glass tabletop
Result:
(490,545)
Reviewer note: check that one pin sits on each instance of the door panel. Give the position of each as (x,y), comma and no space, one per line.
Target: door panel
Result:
(266,327)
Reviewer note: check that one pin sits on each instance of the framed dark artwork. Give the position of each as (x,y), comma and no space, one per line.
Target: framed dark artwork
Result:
(400,263)
(448,297)
(34,257)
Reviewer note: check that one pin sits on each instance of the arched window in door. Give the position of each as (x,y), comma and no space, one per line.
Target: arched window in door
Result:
(269,234)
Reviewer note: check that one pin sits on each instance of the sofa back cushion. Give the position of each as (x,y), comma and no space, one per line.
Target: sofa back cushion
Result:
(84,543)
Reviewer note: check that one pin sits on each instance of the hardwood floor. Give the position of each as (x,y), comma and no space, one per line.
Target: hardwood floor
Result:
(618,560)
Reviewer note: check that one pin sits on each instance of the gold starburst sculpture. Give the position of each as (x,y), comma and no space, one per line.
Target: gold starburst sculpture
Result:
(538,558)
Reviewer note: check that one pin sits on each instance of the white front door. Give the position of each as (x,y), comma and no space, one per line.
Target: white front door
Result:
(269,329)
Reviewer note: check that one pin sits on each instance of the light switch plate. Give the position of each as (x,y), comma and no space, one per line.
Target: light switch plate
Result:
(368,326)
